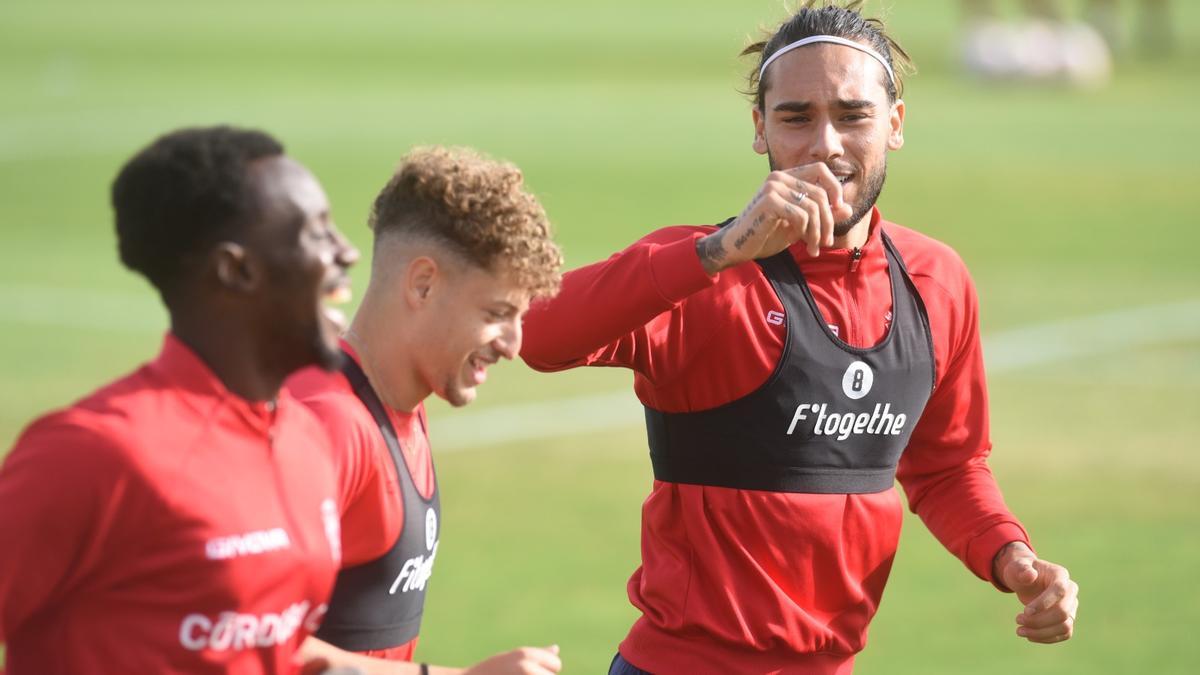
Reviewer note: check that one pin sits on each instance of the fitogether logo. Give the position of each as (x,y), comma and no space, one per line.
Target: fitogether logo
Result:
(857,381)
(818,419)
(415,572)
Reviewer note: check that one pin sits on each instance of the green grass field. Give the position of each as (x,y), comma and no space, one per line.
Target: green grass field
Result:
(625,117)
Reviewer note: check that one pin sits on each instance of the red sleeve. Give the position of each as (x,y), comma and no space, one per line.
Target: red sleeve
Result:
(944,470)
(372,513)
(603,314)
(64,490)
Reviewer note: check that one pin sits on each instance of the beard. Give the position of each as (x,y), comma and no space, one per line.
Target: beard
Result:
(302,338)
(870,187)
(328,357)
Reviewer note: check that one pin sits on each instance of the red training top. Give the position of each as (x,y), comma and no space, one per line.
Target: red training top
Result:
(165,525)
(369,489)
(751,581)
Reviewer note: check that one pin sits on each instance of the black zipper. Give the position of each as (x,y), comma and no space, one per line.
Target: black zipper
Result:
(855,257)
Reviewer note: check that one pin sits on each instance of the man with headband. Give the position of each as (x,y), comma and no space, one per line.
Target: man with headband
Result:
(794,361)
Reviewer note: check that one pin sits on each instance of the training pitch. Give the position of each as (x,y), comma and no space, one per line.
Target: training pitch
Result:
(1075,206)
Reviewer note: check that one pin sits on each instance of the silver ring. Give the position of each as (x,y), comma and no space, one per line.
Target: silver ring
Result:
(798,196)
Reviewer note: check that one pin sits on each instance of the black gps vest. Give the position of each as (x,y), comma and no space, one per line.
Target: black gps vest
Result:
(378,605)
(831,419)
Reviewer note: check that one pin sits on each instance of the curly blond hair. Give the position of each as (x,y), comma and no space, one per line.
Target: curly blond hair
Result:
(477,207)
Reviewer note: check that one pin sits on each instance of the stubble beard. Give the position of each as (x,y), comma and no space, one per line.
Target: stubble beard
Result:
(869,190)
(328,358)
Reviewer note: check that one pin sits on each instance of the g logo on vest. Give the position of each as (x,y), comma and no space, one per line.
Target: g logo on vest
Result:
(857,381)
(430,529)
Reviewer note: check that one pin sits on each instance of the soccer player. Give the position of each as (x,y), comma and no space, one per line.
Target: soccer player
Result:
(183,519)
(793,362)
(460,250)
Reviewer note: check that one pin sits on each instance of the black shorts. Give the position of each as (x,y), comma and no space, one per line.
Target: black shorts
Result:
(620,666)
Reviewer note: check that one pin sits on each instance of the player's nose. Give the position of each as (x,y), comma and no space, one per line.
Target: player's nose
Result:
(347,255)
(508,344)
(827,142)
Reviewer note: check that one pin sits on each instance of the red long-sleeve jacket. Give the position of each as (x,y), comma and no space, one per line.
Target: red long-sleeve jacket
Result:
(165,525)
(750,581)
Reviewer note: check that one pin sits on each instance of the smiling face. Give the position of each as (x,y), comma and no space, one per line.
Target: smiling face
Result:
(827,103)
(461,248)
(304,260)
(475,320)
(432,323)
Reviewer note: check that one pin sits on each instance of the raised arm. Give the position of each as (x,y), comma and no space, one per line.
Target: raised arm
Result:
(612,313)
(603,314)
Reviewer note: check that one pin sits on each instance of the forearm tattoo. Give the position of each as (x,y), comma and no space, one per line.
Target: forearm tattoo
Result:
(711,249)
(745,236)
(711,252)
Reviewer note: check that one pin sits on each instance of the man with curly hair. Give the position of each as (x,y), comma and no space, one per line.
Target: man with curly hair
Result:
(460,251)
(794,362)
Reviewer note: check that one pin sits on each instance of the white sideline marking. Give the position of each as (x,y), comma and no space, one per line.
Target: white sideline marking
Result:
(535,420)
(1008,350)
(1078,337)
(77,308)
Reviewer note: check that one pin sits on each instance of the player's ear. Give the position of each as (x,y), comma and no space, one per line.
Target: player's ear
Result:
(896,121)
(760,139)
(235,268)
(421,280)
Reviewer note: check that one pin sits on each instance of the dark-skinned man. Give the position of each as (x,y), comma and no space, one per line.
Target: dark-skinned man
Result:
(183,518)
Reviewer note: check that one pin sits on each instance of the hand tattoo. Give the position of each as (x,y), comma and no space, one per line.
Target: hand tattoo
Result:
(745,236)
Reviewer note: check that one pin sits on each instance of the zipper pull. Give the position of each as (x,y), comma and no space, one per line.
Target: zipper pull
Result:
(855,257)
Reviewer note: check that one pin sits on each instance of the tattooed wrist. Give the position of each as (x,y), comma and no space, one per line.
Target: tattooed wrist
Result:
(712,252)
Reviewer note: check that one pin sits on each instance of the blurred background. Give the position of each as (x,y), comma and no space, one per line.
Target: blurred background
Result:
(1072,199)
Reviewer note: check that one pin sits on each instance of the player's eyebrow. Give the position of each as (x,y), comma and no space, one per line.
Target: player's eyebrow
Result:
(855,104)
(841,104)
(792,106)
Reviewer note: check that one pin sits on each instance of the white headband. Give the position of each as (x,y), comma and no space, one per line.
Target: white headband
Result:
(834,40)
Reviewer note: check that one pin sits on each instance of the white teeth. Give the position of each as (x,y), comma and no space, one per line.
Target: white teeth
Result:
(340,295)
(335,316)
